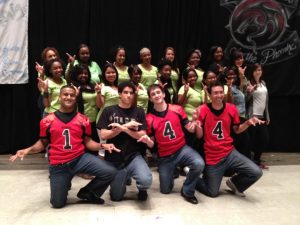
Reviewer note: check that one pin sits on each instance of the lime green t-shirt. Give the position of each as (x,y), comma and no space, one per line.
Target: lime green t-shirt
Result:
(123,75)
(174,78)
(111,97)
(90,107)
(54,90)
(148,76)
(142,97)
(194,99)
(198,85)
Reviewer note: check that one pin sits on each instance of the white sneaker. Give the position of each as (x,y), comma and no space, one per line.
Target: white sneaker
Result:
(186,170)
(233,188)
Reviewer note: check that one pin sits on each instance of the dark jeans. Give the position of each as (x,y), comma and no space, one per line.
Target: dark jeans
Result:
(61,176)
(247,173)
(136,169)
(186,156)
(259,136)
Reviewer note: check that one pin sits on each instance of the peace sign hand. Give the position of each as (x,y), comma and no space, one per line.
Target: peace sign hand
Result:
(71,59)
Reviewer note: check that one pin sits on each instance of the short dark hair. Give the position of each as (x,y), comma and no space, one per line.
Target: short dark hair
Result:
(125,84)
(162,63)
(186,72)
(134,69)
(154,86)
(77,70)
(67,86)
(214,84)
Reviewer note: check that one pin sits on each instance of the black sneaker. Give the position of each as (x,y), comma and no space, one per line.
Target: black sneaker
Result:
(142,195)
(192,199)
(88,196)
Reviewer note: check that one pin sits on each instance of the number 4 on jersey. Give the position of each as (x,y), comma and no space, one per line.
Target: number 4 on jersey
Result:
(218,131)
(168,131)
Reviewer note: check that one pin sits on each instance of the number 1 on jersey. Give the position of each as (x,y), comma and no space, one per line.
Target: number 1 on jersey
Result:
(66,133)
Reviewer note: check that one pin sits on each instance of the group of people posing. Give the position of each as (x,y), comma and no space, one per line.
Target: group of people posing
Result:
(193,119)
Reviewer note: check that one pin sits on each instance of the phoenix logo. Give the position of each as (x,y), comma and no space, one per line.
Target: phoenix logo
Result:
(257,24)
(261,30)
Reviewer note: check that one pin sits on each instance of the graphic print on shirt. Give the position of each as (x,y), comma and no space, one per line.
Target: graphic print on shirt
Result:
(120,119)
(218,130)
(168,131)
(66,134)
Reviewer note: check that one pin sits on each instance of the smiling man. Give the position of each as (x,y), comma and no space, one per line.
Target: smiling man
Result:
(68,134)
(165,127)
(215,121)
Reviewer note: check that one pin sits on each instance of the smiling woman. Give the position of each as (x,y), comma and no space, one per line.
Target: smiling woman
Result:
(51,86)
(86,98)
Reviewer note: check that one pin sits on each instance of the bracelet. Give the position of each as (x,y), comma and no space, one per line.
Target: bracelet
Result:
(98,92)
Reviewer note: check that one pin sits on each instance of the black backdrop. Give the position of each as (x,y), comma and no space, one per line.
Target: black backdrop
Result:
(134,24)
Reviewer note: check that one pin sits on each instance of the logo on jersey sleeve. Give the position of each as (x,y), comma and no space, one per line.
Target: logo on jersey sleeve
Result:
(168,131)
(218,131)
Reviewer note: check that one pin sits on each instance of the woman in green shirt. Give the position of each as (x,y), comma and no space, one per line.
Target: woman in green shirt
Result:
(149,71)
(164,79)
(83,57)
(107,91)
(193,60)
(142,98)
(86,98)
(119,56)
(170,55)
(51,85)
(188,97)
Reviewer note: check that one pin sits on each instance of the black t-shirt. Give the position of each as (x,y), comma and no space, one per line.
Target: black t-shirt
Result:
(128,145)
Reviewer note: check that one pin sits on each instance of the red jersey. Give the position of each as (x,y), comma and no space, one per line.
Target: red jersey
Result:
(65,139)
(166,127)
(217,126)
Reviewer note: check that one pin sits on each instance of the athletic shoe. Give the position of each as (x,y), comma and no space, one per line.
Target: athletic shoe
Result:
(142,195)
(263,166)
(186,170)
(233,188)
(88,196)
(191,199)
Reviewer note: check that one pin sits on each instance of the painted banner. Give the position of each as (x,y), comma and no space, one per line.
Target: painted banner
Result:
(13,41)
(261,30)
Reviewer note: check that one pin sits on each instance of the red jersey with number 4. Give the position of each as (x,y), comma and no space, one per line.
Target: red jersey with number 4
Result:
(216,130)
(65,139)
(166,127)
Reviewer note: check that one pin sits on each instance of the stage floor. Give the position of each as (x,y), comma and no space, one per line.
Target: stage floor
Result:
(273,200)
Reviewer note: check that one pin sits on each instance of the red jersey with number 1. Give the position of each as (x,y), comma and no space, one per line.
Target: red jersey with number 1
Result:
(166,127)
(216,130)
(65,139)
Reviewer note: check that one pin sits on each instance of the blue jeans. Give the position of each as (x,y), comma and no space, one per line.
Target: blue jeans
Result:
(186,156)
(247,173)
(136,169)
(61,176)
